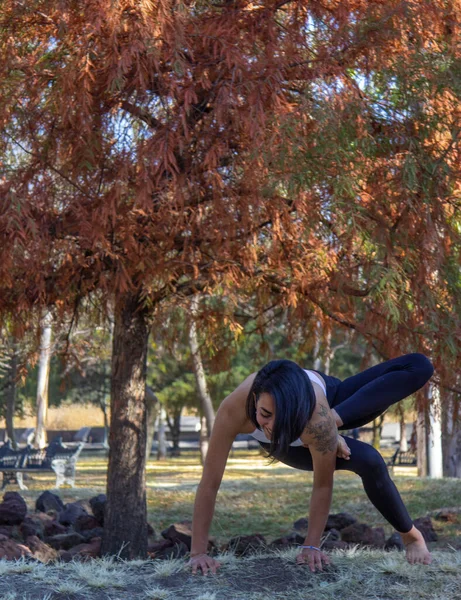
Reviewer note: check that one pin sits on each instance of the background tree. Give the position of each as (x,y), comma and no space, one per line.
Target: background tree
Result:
(155,151)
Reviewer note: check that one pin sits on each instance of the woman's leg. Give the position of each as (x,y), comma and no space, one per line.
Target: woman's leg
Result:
(379,487)
(370,466)
(361,398)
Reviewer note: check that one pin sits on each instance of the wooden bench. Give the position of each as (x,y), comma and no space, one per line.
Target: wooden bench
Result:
(55,457)
(403,459)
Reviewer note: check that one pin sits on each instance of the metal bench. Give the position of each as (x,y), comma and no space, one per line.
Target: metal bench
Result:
(403,459)
(55,457)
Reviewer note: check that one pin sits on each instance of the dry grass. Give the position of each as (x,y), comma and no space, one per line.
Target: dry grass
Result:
(356,573)
(67,416)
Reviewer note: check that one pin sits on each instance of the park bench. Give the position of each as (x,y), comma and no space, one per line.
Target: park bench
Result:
(55,457)
(403,459)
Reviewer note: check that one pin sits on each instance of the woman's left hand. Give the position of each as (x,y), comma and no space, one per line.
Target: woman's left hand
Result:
(343,450)
(316,559)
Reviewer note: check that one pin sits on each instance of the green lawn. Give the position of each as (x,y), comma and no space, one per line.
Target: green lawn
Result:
(256,497)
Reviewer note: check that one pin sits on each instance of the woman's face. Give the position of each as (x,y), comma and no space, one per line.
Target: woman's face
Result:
(265,413)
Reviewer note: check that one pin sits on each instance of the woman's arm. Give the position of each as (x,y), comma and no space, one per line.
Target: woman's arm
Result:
(230,419)
(222,436)
(321,435)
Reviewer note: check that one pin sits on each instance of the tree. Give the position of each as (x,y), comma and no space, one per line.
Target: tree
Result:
(157,150)
(42,383)
(206,404)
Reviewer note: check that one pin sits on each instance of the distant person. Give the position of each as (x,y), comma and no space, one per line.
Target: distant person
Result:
(295,415)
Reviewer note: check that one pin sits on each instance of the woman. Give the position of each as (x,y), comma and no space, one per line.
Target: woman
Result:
(295,415)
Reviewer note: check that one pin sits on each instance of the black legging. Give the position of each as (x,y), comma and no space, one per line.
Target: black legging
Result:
(358,400)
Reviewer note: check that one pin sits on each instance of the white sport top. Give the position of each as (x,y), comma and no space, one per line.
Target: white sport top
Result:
(260,436)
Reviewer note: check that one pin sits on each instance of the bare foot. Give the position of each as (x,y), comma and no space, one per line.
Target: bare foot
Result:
(416,549)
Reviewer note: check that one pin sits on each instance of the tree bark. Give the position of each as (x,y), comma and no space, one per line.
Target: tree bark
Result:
(403,430)
(151,417)
(42,384)
(199,372)
(175,430)
(10,394)
(125,524)
(421,434)
(204,439)
(317,366)
(452,435)
(434,447)
(161,434)
(377,428)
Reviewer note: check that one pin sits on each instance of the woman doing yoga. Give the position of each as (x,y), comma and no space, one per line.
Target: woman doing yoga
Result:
(295,415)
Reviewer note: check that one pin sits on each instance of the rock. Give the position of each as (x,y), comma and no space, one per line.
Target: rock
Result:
(89,534)
(395,542)
(54,528)
(332,535)
(50,524)
(301,525)
(166,549)
(71,513)
(339,521)
(329,545)
(85,522)
(6,530)
(98,504)
(424,524)
(242,545)
(288,541)
(11,550)
(85,504)
(179,532)
(13,509)
(65,556)
(360,533)
(32,526)
(448,515)
(64,541)
(49,501)
(88,550)
(41,551)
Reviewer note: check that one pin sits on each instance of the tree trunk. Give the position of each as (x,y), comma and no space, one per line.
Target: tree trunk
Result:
(161,434)
(317,366)
(199,372)
(103,406)
(151,417)
(42,384)
(434,447)
(452,435)
(421,434)
(125,524)
(377,428)
(203,439)
(403,430)
(175,430)
(328,353)
(10,394)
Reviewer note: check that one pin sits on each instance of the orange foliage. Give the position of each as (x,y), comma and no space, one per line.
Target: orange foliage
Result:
(154,146)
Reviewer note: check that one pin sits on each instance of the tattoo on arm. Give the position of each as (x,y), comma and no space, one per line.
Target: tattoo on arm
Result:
(323,432)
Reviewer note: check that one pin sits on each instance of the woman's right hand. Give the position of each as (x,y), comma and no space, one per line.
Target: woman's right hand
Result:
(203,562)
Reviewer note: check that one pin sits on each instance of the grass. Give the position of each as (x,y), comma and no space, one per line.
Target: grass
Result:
(254,498)
(354,573)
